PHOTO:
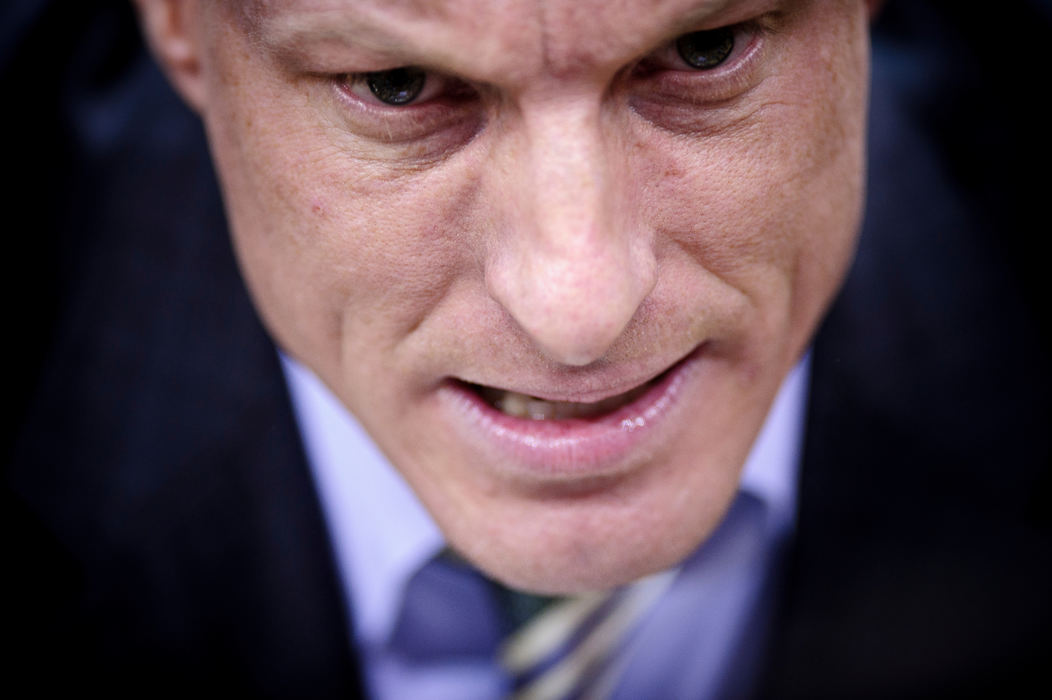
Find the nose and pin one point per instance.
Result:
(571, 265)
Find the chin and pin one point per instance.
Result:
(597, 536)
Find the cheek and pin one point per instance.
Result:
(330, 238)
(327, 238)
(770, 207)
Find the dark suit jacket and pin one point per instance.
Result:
(163, 533)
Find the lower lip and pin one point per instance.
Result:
(574, 448)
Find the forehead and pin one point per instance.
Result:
(561, 35)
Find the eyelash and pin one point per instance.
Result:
(437, 86)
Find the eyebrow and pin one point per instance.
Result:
(291, 34)
(297, 36)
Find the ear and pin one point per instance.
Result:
(171, 30)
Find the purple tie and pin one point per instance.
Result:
(449, 614)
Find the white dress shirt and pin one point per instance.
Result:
(381, 535)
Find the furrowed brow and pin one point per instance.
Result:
(323, 36)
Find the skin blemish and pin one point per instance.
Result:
(319, 209)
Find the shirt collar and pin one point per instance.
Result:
(771, 469)
(381, 533)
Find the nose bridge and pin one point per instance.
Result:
(569, 182)
(571, 269)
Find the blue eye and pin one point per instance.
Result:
(707, 49)
(398, 86)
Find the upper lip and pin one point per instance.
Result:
(586, 386)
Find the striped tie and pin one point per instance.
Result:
(565, 648)
(569, 649)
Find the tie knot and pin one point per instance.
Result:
(550, 647)
(520, 607)
(571, 647)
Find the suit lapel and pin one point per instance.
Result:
(171, 538)
(919, 568)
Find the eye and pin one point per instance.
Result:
(719, 51)
(403, 86)
(408, 104)
(706, 57)
(707, 49)
(397, 87)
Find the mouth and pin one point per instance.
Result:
(551, 437)
(517, 405)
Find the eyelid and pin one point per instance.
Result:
(668, 93)
(443, 115)
(746, 36)
(665, 89)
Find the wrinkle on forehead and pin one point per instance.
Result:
(560, 37)
(259, 12)
(433, 31)
(593, 33)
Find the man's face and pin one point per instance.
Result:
(597, 204)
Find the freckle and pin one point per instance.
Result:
(673, 172)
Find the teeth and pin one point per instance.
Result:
(523, 406)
